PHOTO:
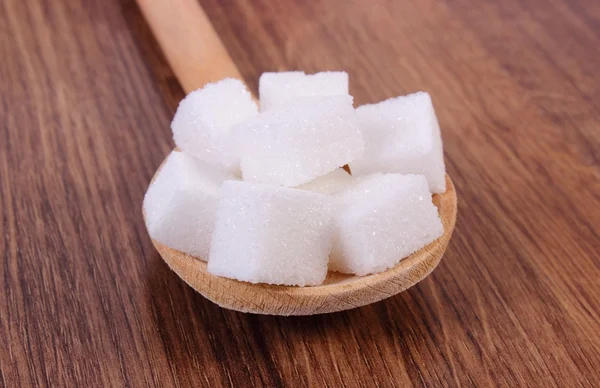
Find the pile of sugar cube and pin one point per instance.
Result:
(262, 197)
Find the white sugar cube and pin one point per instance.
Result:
(202, 123)
(381, 220)
(278, 88)
(299, 141)
(402, 135)
(181, 203)
(335, 181)
(268, 234)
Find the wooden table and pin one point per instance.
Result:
(85, 104)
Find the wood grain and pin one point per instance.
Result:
(86, 99)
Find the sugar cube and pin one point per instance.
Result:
(402, 135)
(269, 234)
(380, 220)
(331, 183)
(299, 141)
(202, 123)
(278, 88)
(181, 203)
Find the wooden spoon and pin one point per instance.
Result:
(197, 56)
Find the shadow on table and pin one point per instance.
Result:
(166, 81)
(195, 331)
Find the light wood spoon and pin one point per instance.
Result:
(197, 56)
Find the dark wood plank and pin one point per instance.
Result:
(86, 99)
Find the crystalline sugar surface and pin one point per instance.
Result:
(268, 234)
(381, 220)
(180, 204)
(331, 183)
(402, 135)
(202, 123)
(300, 141)
(278, 88)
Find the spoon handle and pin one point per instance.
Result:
(189, 42)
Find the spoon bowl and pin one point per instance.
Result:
(197, 57)
(338, 292)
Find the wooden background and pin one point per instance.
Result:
(85, 104)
